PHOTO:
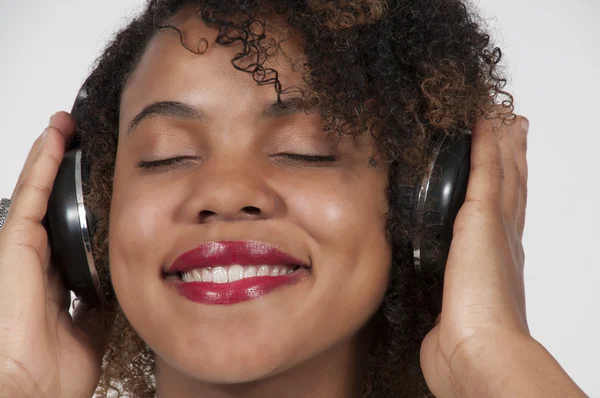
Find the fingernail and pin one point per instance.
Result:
(525, 124)
(44, 134)
(51, 118)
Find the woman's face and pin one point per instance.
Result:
(236, 184)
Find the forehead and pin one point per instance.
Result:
(167, 66)
(168, 71)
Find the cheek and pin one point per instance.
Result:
(346, 224)
(137, 238)
(344, 216)
(135, 222)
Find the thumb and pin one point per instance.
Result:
(435, 369)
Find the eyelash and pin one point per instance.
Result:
(160, 163)
(294, 156)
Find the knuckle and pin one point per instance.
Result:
(55, 161)
(516, 173)
(48, 156)
(524, 192)
(53, 130)
(38, 186)
(497, 169)
(476, 162)
(24, 236)
(523, 145)
(477, 212)
(523, 177)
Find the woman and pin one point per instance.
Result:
(190, 156)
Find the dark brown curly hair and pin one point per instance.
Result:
(411, 68)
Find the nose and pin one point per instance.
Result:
(233, 188)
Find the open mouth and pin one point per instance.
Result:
(231, 273)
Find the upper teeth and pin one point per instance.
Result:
(230, 273)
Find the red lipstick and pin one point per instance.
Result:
(223, 253)
(247, 252)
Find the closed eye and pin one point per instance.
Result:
(155, 164)
(310, 158)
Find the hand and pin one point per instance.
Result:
(483, 302)
(43, 352)
(481, 345)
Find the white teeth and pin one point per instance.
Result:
(235, 272)
(250, 271)
(206, 275)
(219, 275)
(197, 275)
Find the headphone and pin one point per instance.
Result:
(430, 207)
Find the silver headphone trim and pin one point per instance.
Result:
(85, 236)
(422, 197)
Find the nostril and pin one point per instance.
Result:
(205, 214)
(243, 213)
(251, 210)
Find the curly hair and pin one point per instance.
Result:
(412, 68)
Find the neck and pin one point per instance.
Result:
(337, 372)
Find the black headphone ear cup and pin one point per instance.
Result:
(70, 224)
(435, 201)
(69, 231)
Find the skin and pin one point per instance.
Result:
(480, 347)
(304, 337)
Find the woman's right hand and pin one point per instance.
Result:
(43, 351)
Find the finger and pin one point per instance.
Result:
(35, 147)
(65, 124)
(486, 177)
(30, 198)
(519, 135)
(513, 193)
(61, 120)
(512, 177)
(476, 270)
(431, 359)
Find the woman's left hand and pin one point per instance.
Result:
(481, 345)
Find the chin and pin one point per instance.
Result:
(228, 366)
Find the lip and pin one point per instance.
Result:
(223, 253)
(238, 291)
(247, 252)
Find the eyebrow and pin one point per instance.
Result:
(185, 111)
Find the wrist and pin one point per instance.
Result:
(511, 366)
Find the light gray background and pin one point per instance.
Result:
(552, 52)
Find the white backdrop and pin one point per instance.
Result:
(552, 53)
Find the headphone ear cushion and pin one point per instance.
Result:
(85, 177)
(405, 203)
